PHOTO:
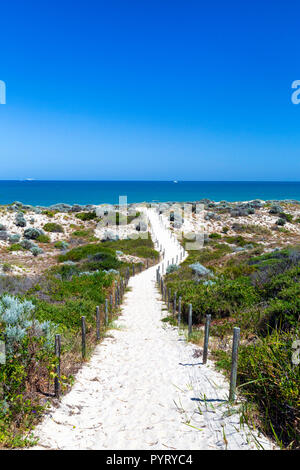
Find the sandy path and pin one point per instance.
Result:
(142, 388)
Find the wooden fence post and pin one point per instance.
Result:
(116, 296)
(190, 320)
(206, 337)
(83, 337)
(169, 298)
(106, 312)
(174, 304)
(57, 376)
(179, 311)
(97, 323)
(133, 270)
(234, 359)
(121, 289)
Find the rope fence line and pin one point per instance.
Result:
(177, 308)
(110, 308)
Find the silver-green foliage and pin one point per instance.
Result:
(18, 320)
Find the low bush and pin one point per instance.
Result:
(83, 252)
(269, 379)
(14, 238)
(62, 245)
(32, 233)
(28, 343)
(237, 240)
(82, 233)
(261, 295)
(215, 235)
(43, 238)
(53, 227)
(49, 213)
(85, 216)
(15, 247)
(286, 217)
(36, 250)
(172, 268)
(141, 247)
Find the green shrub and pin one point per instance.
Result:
(237, 240)
(139, 247)
(53, 227)
(208, 254)
(49, 213)
(81, 233)
(220, 299)
(85, 216)
(215, 235)
(67, 271)
(286, 217)
(270, 379)
(62, 245)
(36, 250)
(71, 296)
(29, 356)
(257, 229)
(6, 267)
(101, 261)
(142, 247)
(172, 268)
(43, 238)
(14, 238)
(32, 233)
(83, 252)
(15, 247)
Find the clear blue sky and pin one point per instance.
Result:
(147, 89)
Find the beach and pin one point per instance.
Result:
(144, 386)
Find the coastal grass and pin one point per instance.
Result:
(80, 281)
(259, 292)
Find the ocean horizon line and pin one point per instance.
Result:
(83, 192)
(31, 180)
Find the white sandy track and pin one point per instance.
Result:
(142, 388)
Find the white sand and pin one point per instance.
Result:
(143, 389)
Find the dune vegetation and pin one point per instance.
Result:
(258, 290)
(35, 307)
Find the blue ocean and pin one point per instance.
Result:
(45, 193)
